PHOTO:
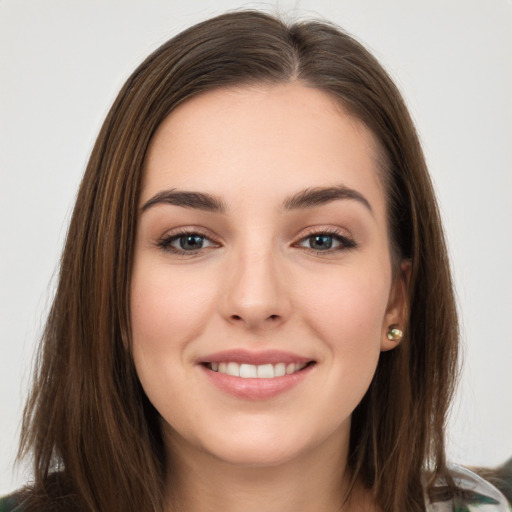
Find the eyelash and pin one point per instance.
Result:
(165, 242)
(345, 242)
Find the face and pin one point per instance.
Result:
(262, 286)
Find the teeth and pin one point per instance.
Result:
(233, 369)
(248, 371)
(279, 369)
(266, 371)
(251, 371)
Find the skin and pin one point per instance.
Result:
(258, 285)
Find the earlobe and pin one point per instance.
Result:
(397, 311)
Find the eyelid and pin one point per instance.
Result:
(164, 242)
(346, 241)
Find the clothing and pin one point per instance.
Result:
(8, 504)
(477, 495)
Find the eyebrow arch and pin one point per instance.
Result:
(312, 197)
(308, 198)
(197, 200)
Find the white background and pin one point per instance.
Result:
(62, 63)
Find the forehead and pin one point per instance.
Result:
(264, 140)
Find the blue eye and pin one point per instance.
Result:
(185, 243)
(321, 242)
(326, 242)
(190, 242)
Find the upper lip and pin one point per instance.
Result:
(243, 356)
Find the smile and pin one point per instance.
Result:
(248, 375)
(252, 371)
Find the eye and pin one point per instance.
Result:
(188, 242)
(326, 241)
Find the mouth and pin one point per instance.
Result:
(260, 376)
(260, 371)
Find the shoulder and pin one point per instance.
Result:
(53, 497)
(11, 503)
(474, 494)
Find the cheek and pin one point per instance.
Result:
(348, 318)
(166, 304)
(352, 303)
(168, 310)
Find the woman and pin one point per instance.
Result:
(248, 313)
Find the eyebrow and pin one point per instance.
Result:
(311, 197)
(196, 200)
(308, 198)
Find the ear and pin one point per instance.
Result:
(397, 310)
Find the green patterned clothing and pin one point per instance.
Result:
(476, 495)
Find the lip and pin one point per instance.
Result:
(254, 388)
(241, 356)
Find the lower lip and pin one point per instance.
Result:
(256, 389)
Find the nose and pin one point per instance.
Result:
(256, 295)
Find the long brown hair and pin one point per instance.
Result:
(93, 435)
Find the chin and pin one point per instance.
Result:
(257, 453)
(265, 443)
(245, 444)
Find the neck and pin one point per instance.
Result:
(315, 480)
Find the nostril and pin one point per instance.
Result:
(249, 319)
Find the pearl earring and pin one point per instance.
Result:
(394, 333)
